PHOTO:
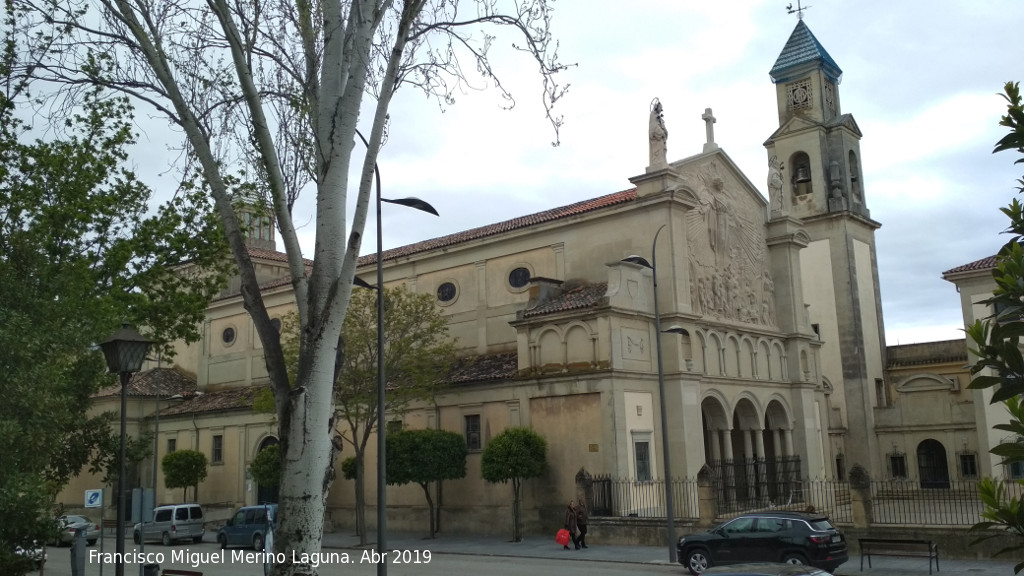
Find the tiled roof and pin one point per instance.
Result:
(987, 263)
(803, 48)
(521, 222)
(485, 368)
(232, 399)
(507, 226)
(156, 382)
(574, 298)
(926, 353)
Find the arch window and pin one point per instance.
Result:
(802, 176)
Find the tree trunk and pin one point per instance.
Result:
(430, 506)
(517, 535)
(308, 450)
(360, 500)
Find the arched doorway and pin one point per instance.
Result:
(266, 494)
(931, 464)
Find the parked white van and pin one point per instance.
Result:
(172, 523)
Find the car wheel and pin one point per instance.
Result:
(794, 558)
(165, 539)
(697, 561)
(137, 538)
(91, 542)
(223, 541)
(257, 542)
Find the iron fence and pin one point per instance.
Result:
(643, 498)
(757, 484)
(892, 502)
(911, 501)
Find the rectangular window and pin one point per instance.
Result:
(394, 426)
(172, 445)
(898, 465)
(473, 432)
(1017, 470)
(968, 466)
(840, 468)
(642, 455)
(217, 454)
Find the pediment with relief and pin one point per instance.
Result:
(725, 232)
(926, 383)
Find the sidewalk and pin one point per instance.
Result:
(536, 547)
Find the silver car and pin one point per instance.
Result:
(68, 525)
(172, 523)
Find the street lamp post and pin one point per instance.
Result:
(653, 265)
(124, 352)
(382, 515)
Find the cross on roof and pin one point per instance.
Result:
(709, 121)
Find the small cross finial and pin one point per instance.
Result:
(709, 121)
(799, 9)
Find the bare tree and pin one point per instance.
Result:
(267, 94)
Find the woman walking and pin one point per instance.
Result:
(570, 524)
(581, 522)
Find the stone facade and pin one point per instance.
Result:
(776, 347)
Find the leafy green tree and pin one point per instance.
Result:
(996, 343)
(515, 455)
(266, 466)
(182, 469)
(273, 92)
(418, 353)
(425, 456)
(81, 250)
(348, 468)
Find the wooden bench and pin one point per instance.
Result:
(895, 547)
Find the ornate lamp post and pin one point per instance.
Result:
(641, 261)
(382, 515)
(125, 352)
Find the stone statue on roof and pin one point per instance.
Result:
(658, 135)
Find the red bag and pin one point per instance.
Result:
(562, 537)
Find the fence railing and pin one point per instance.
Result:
(896, 501)
(756, 484)
(910, 501)
(643, 498)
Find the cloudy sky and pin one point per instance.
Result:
(921, 78)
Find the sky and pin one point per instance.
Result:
(921, 78)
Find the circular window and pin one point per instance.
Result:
(446, 292)
(276, 323)
(519, 277)
(228, 335)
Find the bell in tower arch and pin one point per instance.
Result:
(801, 164)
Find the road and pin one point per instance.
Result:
(209, 559)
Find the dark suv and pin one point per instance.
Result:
(790, 537)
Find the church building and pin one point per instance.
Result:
(765, 302)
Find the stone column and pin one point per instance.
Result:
(748, 462)
(760, 466)
(728, 463)
(716, 445)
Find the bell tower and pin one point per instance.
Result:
(815, 181)
(817, 145)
